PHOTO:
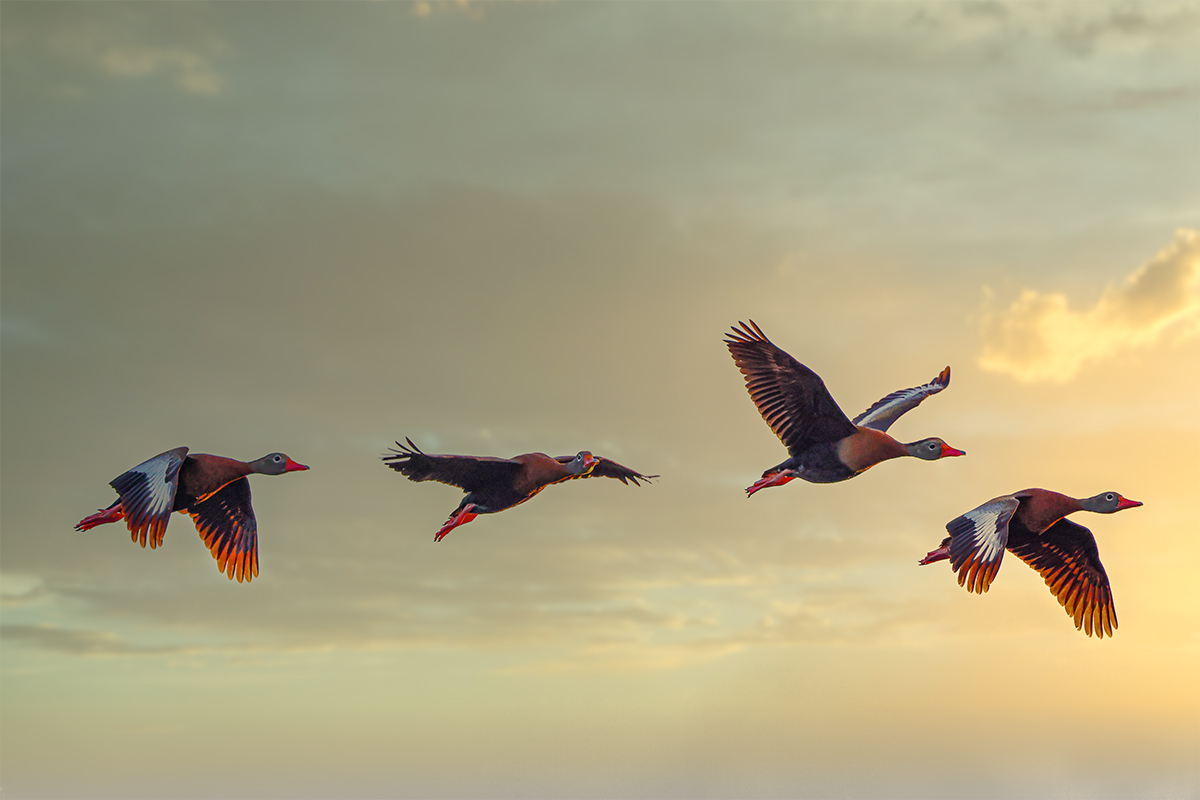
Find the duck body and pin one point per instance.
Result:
(536, 471)
(213, 490)
(1032, 524)
(825, 446)
(832, 462)
(818, 464)
(495, 484)
(201, 475)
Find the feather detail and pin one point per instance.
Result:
(887, 410)
(977, 542)
(226, 523)
(148, 495)
(1066, 557)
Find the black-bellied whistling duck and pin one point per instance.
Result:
(212, 489)
(825, 446)
(1033, 525)
(494, 484)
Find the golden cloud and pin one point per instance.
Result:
(1041, 338)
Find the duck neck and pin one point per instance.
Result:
(866, 447)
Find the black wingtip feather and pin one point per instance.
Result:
(401, 453)
(746, 334)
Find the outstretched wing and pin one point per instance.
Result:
(1067, 558)
(791, 397)
(884, 412)
(469, 473)
(607, 468)
(977, 541)
(225, 521)
(148, 495)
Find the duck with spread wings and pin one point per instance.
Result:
(824, 445)
(494, 484)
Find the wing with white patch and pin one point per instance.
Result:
(977, 541)
(884, 412)
(148, 495)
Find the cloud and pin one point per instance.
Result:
(1041, 338)
(19, 589)
(542, 585)
(82, 642)
(1127, 26)
(190, 71)
(1081, 30)
(425, 8)
(116, 43)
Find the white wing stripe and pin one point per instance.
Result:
(887, 410)
(978, 539)
(988, 541)
(148, 490)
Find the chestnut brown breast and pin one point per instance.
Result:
(866, 447)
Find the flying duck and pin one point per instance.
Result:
(825, 446)
(1032, 524)
(212, 489)
(494, 484)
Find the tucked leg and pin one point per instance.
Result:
(460, 517)
(941, 553)
(113, 513)
(771, 479)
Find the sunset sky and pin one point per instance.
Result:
(499, 228)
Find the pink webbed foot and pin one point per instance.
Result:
(774, 479)
(460, 517)
(936, 555)
(102, 517)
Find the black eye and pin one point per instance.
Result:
(1108, 496)
(277, 459)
